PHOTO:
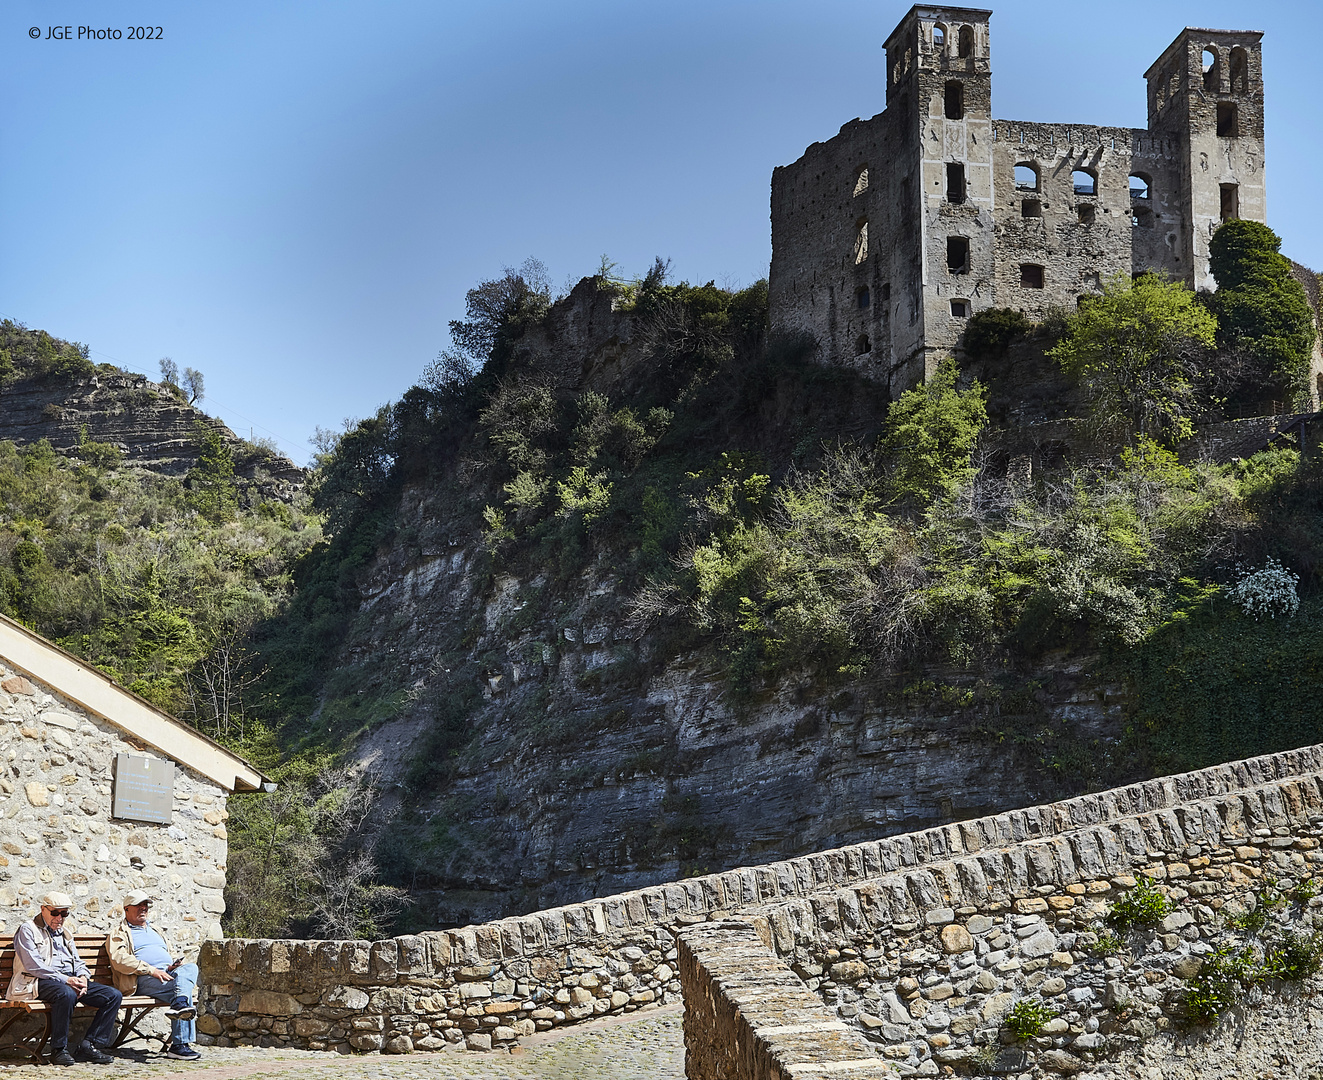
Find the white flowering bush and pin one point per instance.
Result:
(1269, 591)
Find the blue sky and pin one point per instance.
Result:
(293, 197)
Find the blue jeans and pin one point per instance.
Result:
(182, 985)
(61, 998)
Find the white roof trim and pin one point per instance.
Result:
(33, 655)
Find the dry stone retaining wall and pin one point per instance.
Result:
(1046, 870)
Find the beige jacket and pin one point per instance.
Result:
(22, 986)
(125, 965)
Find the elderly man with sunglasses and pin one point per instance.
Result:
(143, 964)
(47, 966)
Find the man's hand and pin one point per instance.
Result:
(78, 982)
(157, 973)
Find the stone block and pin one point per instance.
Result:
(400, 1044)
(956, 939)
(269, 1003)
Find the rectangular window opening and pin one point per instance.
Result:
(1031, 208)
(1226, 120)
(1230, 201)
(960, 309)
(1031, 276)
(955, 101)
(955, 182)
(957, 254)
(861, 297)
(1087, 213)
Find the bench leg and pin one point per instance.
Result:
(37, 1058)
(129, 1023)
(26, 1045)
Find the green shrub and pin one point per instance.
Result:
(1143, 905)
(1026, 1018)
(988, 334)
(930, 436)
(1262, 311)
(1139, 352)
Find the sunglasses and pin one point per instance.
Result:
(59, 913)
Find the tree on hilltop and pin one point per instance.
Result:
(1263, 316)
(1140, 352)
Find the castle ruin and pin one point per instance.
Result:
(887, 237)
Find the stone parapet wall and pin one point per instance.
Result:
(749, 1017)
(928, 964)
(485, 986)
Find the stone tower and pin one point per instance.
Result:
(1206, 93)
(939, 84)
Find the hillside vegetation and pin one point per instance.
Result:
(775, 520)
(735, 508)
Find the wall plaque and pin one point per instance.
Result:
(143, 790)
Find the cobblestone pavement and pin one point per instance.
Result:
(649, 1046)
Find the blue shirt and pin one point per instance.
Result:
(149, 946)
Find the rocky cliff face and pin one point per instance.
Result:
(543, 746)
(146, 421)
(594, 768)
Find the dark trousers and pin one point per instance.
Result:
(61, 998)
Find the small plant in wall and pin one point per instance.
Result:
(1143, 905)
(1026, 1018)
(1106, 942)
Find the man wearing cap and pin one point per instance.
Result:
(143, 965)
(47, 966)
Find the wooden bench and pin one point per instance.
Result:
(92, 950)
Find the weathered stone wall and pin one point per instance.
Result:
(57, 833)
(938, 119)
(747, 1016)
(484, 986)
(929, 963)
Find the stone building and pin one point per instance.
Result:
(887, 237)
(101, 793)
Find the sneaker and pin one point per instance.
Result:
(181, 1009)
(183, 1052)
(92, 1054)
(61, 1057)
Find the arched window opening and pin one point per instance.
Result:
(1139, 186)
(939, 38)
(1026, 178)
(861, 241)
(960, 309)
(1210, 69)
(861, 181)
(966, 42)
(861, 297)
(1031, 276)
(1239, 71)
(1084, 182)
(957, 254)
(1031, 208)
(1227, 120)
(862, 345)
(955, 182)
(954, 101)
